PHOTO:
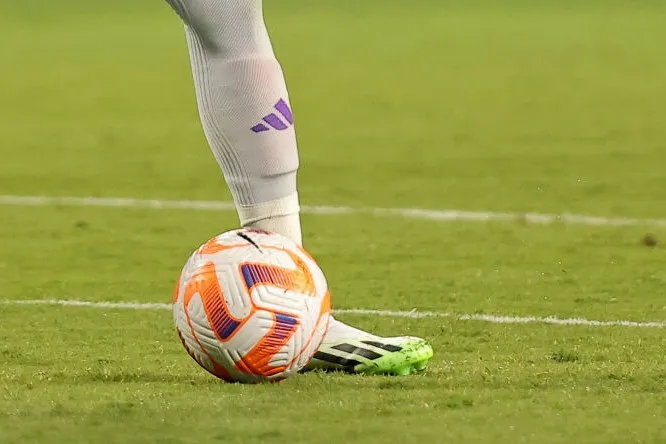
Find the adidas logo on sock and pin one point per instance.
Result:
(274, 121)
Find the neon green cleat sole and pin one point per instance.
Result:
(376, 356)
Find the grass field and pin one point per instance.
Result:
(522, 106)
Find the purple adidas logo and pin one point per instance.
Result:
(274, 121)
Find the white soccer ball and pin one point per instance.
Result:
(251, 306)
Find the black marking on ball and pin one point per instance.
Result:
(249, 239)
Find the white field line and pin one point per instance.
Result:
(410, 213)
(495, 319)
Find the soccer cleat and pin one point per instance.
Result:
(373, 356)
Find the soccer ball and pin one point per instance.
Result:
(251, 306)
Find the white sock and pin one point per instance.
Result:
(245, 110)
(279, 216)
(246, 115)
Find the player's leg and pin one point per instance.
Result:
(247, 118)
(245, 110)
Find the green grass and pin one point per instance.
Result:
(533, 106)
